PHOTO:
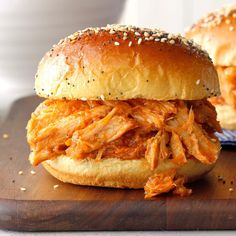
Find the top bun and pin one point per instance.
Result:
(125, 62)
(216, 33)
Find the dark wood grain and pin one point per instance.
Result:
(69, 207)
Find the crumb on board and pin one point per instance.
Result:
(231, 189)
(22, 189)
(220, 178)
(55, 186)
(5, 136)
(32, 172)
(20, 172)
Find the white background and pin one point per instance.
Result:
(170, 15)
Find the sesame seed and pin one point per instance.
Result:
(125, 34)
(172, 41)
(124, 38)
(198, 82)
(32, 172)
(139, 40)
(23, 189)
(5, 136)
(20, 172)
(231, 189)
(102, 97)
(130, 43)
(146, 34)
(170, 36)
(83, 99)
(56, 186)
(151, 38)
(137, 33)
(231, 28)
(220, 177)
(111, 31)
(227, 21)
(163, 40)
(117, 43)
(157, 39)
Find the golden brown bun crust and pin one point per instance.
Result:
(100, 63)
(227, 116)
(117, 173)
(216, 33)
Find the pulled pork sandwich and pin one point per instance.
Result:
(217, 34)
(125, 107)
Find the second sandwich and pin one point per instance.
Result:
(216, 33)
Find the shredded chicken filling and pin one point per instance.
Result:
(227, 78)
(131, 129)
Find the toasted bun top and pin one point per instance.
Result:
(125, 62)
(216, 33)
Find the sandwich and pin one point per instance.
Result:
(216, 33)
(125, 107)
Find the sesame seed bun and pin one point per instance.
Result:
(216, 33)
(113, 172)
(124, 62)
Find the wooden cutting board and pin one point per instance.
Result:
(68, 207)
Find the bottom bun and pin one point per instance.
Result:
(227, 116)
(116, 173)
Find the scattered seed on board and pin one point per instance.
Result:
(55, 186)
(5, 136)
(198, 82)
(32, 172)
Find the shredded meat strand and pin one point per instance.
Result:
(177, 150)
(180, 189)
(165, 182)
(160, 183)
